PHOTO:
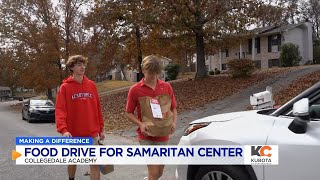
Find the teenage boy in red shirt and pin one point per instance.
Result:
(150, 86)
(78, 109)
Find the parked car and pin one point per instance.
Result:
(38, 110)
(294, 127)
(5, 93)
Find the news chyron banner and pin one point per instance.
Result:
(62, 151)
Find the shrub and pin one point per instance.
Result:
(241, 67)
(211, 72)
(289, 55)
(316, 52)
(172, 71)
(216, 71)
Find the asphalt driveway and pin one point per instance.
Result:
(11, 125)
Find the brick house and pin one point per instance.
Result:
(264, 46)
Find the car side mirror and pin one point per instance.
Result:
(301, 112)
(301, 108)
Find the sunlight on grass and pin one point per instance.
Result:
(186, 75)
(111, 84)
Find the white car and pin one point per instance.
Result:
(294, 127)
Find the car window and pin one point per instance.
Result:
(314, 109)
(316, 101)
(41, 103)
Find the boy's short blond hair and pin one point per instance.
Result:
(76, 59)
(152, 64)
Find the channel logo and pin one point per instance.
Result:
(261, 151)
(262, 154)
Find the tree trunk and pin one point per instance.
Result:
(186, 62)
(67, 27)
(138, 36)
(49, 94)
(123, 72)
(317, 26)
(201, 66)
(60, 72)
(67, 53)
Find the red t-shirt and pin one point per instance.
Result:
(141, 90)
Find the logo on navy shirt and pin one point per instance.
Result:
(81, 96)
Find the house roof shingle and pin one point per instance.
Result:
(276, 29)
(3, 88)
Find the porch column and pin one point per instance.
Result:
(220, 60)
(210, 66)
(240, 55)
(253, 49)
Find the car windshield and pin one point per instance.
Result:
(41, 103)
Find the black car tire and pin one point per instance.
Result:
(30, 121)
(233, 172)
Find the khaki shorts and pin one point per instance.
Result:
(147, 142)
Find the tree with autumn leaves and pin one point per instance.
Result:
(208, 22)
(29, 33)
(125, 27)
(37, 36)
(149, 23)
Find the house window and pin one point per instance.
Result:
(226, 52)
(274, 40)
(257, 64)
(274, 43)
(257, 45)
(250, 46)
(224, 66)
(273, 62)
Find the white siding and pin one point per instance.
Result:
(300, 35)
(296, 37)
(309, 42)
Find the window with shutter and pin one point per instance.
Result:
(274, 42)
(279, 41)
(224, 66)
(250, 46)
(257, 45)
(270, 63)
(273, 62)
(269, 43)
(258, 64)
